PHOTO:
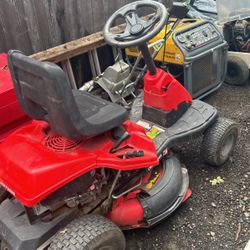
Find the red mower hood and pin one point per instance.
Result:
(11, 114)
(35, 163)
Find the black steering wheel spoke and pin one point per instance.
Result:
(149, 24)
(131, 18)
(124, 35)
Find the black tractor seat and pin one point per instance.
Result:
(44, 94)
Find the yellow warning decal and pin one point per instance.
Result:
(153, 181)
(154, 132)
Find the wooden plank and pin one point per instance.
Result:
(41, 13)
(54, 28)
(11, 29)
(35, 25)
(86, 25)
(71, 49)
(32, 25)
(3, 45)
(23, 33)
(76, 47)
(70, 18)
(98, 13)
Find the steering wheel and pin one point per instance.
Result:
(137, 30)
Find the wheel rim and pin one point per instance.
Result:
(232, 71)
(227, 145)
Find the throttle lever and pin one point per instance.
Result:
(116, 144)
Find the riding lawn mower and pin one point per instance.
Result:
(86, 168)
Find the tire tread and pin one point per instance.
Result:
(82, 231)
(212, 138)
(244, 71)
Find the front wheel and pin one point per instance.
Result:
(219, 141)
(89, 232)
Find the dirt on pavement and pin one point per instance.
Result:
(215, 217)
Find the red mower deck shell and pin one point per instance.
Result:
(127, 211)
(10, 112)
(34, 162)
(163, 91)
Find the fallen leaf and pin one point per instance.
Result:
(216, 181)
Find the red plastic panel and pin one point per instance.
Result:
(163, 91)
(11, 127)
(32, 165)
(9, 107)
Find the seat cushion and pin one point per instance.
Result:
(101, 115)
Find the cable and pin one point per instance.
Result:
(165, 45)
(167, 34)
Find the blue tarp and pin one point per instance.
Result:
(204, 9)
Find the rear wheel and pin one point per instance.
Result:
(3, 195)
(90, 232)
(237, 71)
(219, 141)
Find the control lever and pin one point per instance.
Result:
(133, 154)
(119, 141)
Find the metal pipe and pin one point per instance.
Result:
(96, 61)
(148, 58)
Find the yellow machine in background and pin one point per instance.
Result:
(173, 54)
(195, 53)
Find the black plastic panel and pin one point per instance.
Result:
(195, 121)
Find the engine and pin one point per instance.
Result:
(86, 191)
(237, 34)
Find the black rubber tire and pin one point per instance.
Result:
(237, 71)
(89, 232)
(219, 141)
(4, 194)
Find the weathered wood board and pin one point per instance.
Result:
(36, 25)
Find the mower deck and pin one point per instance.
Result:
(195, 120)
